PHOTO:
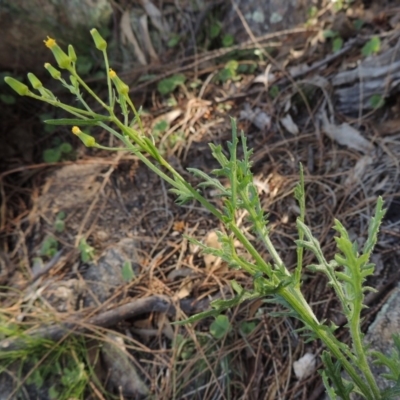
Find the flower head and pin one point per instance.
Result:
(63, 60)
(35, 82)
(88, 141)
(112, 73)
(55, 73)
(122, 88)
(49, 42)
(99, 42)
(17, 86)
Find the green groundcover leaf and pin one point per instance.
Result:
(220, 327)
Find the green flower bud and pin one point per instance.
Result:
(55, 73)
(17, 86)
(63, 60)
(35, 82)
(88, 141)
(71, 53)
(99, 42)
(122, 88)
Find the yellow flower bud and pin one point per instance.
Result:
(122, 88)
(35, 82)
(99, 42)
(49, 42)
(112, 73)
(88, 141)
(55, 73)
(63, 60)
(17, 86)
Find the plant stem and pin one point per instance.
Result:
(359, 349)
(297, 302)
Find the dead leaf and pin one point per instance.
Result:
(304, 366)
(381, 184)
(168, 117)
(257, 117)
(185, 289)
(288, 123)
(358, 171)
(164, 325)
(389, 127)
(267, 78)
(210, 260)
(179, 226)
(346, 135)
(180, 272)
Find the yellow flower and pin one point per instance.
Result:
(122, 88)
(88, 141)
(63, 60)
(49, 42)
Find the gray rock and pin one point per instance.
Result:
(105, 276)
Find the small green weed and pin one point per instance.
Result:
(58, 153)
(174, 40)
(127, 271)
(168, 85)
(228, 72)
(59, 223)
(247, 327)
(220, 327)
(49, 247)
(271, 280)
(159, 128)
(373, 46)
(61, 364)
(87, 251)
(377, 101)
(337, 41)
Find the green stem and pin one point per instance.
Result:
(180, 181)
(359, 349)
(262, 232)
(302, 205)
(83, 114)
(249, 247)
(90, 91)
(110, 99)
(297, 302)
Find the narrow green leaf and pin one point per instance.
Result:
(197, 317)
(77, 121)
